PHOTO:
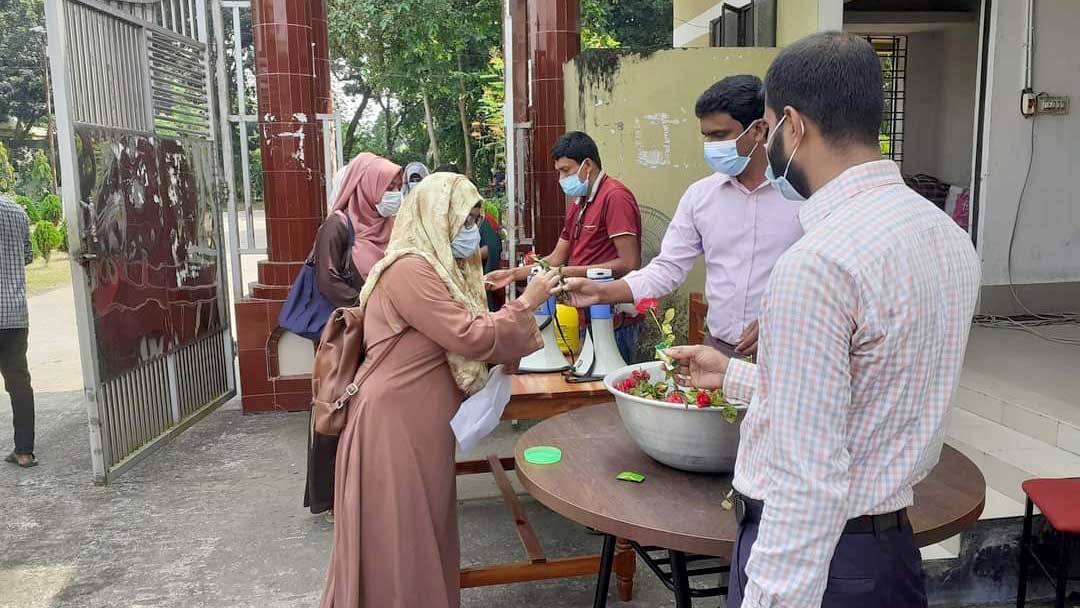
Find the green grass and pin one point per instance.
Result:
(42, 277)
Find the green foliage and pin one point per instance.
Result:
(51, 209)
(30, 207)
(46, 238)
(634, 24)
(7, 172)
(37, 181)
(63, 236)
(22, 79)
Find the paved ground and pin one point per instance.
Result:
(214, 519)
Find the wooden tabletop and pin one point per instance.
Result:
(678, 510)
(536, 396)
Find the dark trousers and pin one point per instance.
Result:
(322, 457)
(870, 570)
(13, 367)
(724, 347)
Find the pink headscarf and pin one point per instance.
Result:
(367, 178)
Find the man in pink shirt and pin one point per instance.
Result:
(733, 217)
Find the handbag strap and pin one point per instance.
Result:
(354, 386)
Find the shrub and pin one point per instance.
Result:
(63, 237)
(46, 238)
(51, 210)
(30, 207)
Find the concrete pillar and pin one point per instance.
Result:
(290, 54)
(554, 39)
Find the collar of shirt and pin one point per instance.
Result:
(842, 188)
(734, 181)
(596, 187)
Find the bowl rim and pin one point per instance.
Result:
(619, 374)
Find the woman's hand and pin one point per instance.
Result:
(499, 279)
(539, 289)
(699, 366)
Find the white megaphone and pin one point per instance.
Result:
(600, 354)
(549, 358)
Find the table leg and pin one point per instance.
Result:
(603, 579)
(680, 579)
(625, 568)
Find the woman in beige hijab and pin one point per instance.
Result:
(396, 534)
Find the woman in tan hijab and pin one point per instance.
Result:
(396, 534)
(367, 195)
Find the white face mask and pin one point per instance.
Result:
(390, 203)
(466, 243)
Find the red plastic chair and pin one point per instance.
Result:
(1059, 501)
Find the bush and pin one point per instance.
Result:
(63, 237)
(30, 207)
(46, 238)
(51, 210)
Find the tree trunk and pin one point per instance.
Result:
(350, 132)
(388, 118)
(433, 141)
(465, 131)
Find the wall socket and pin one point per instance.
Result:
(1050, 104)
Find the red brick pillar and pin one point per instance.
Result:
(554, 39)
(290, 51)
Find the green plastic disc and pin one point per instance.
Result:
(543, 454)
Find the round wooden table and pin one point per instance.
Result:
(681, 512)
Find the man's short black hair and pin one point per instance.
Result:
(835, 79)
(576, 146)
(739, 96)
(447, 168)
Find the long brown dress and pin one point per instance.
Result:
(396, 534)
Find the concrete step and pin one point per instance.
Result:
(1051, 422)
(1006, 456)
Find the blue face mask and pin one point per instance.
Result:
(466, 243)
(724, 157)
(781, 183)
(574, 186)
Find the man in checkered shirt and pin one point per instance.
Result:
(864, 324)
(15, 253)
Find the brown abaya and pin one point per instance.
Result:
(396, 534)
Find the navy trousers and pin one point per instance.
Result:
(874, 570)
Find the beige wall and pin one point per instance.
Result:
(640, 110)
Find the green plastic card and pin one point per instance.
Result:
(630, 476)
(543, 454)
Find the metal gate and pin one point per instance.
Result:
(142, 194)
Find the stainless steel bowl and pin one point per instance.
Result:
(686, 438)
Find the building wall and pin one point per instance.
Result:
(640, 110)
(794, 19)
(939, 117)
(1047, 248)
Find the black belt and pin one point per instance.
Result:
(748, 511)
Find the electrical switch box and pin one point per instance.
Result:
(1051, 104)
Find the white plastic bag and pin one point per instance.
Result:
(480, 414)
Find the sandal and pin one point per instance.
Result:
(13, 458)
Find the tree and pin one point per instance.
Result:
(47, 238)
(22, 65)
(422, 61)
(636, 24)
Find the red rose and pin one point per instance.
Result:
(645, 375)
(675, 397)
(703, 399)
(647, 304)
